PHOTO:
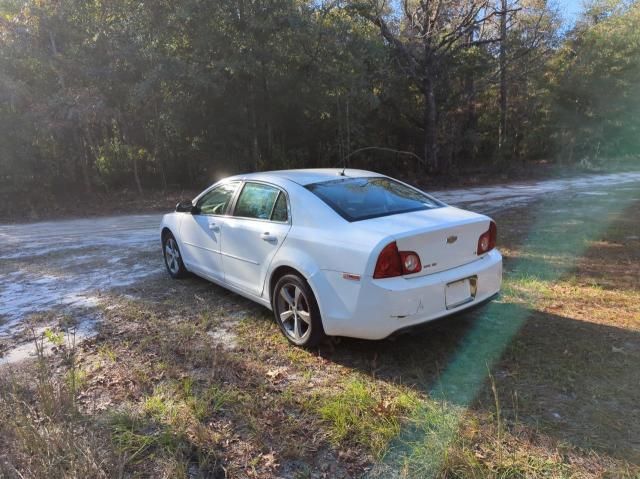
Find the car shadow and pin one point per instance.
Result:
(575, 380)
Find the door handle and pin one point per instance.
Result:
(266, 236)
(214, 227)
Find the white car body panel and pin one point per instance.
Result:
(377, 308)
(200, 245)
(426, 233)
(248, 247)
(322, 246)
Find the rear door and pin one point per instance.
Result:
(253, 234)
(201, 232)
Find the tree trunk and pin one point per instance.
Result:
(136, 176)
(190, 173)
(348, 126)
(253, 127)
(85, 168)
(341, 154)
(126, 136)
(502, 129)
(430, 119)
(267, 114)
(82, 163)
(156, 148)
(471, 120)
(163, 175)
(54, 54)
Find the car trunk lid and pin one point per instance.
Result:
(443, 238)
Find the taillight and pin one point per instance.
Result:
(410, 262)
(487, 240)
(388, 264)
(392, 262)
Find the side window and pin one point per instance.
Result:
(216, 201)
(280, 209)
(256, 201)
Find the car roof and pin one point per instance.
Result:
(306, 176)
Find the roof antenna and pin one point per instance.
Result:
(344, 165)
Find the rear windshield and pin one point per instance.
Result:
(358, 199)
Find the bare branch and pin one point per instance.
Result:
(400, 47)
(482, 42)
(390, 150)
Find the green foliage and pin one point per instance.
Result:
(596, 84)
(57, 339)
(166, 94)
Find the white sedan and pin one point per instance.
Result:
(335, 252)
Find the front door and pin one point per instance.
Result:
(253, 235)
(201, 232)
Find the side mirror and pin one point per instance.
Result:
(186, 206)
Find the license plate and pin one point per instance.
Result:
(459, 293)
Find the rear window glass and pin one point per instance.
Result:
(358, 199)
(280, 209)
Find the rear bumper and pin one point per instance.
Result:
(375, 309)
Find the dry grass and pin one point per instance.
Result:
(188, 380)
(42, 431)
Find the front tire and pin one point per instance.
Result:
(173, 257)
(296, 311)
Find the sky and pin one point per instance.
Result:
(569, 9)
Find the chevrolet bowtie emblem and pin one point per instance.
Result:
(452, 239)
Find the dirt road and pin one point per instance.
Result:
(68, 266)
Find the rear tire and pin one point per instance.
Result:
(173, 257)
(296, 311)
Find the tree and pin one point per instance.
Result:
(502, 130)
(425, 37)
(595, 79)
(529, 33)
(126, 94)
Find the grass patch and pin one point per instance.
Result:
(362, 414)
(42, 431)
(177, 404)
(136, 438)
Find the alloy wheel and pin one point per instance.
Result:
(294, 312)
(172, 256)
